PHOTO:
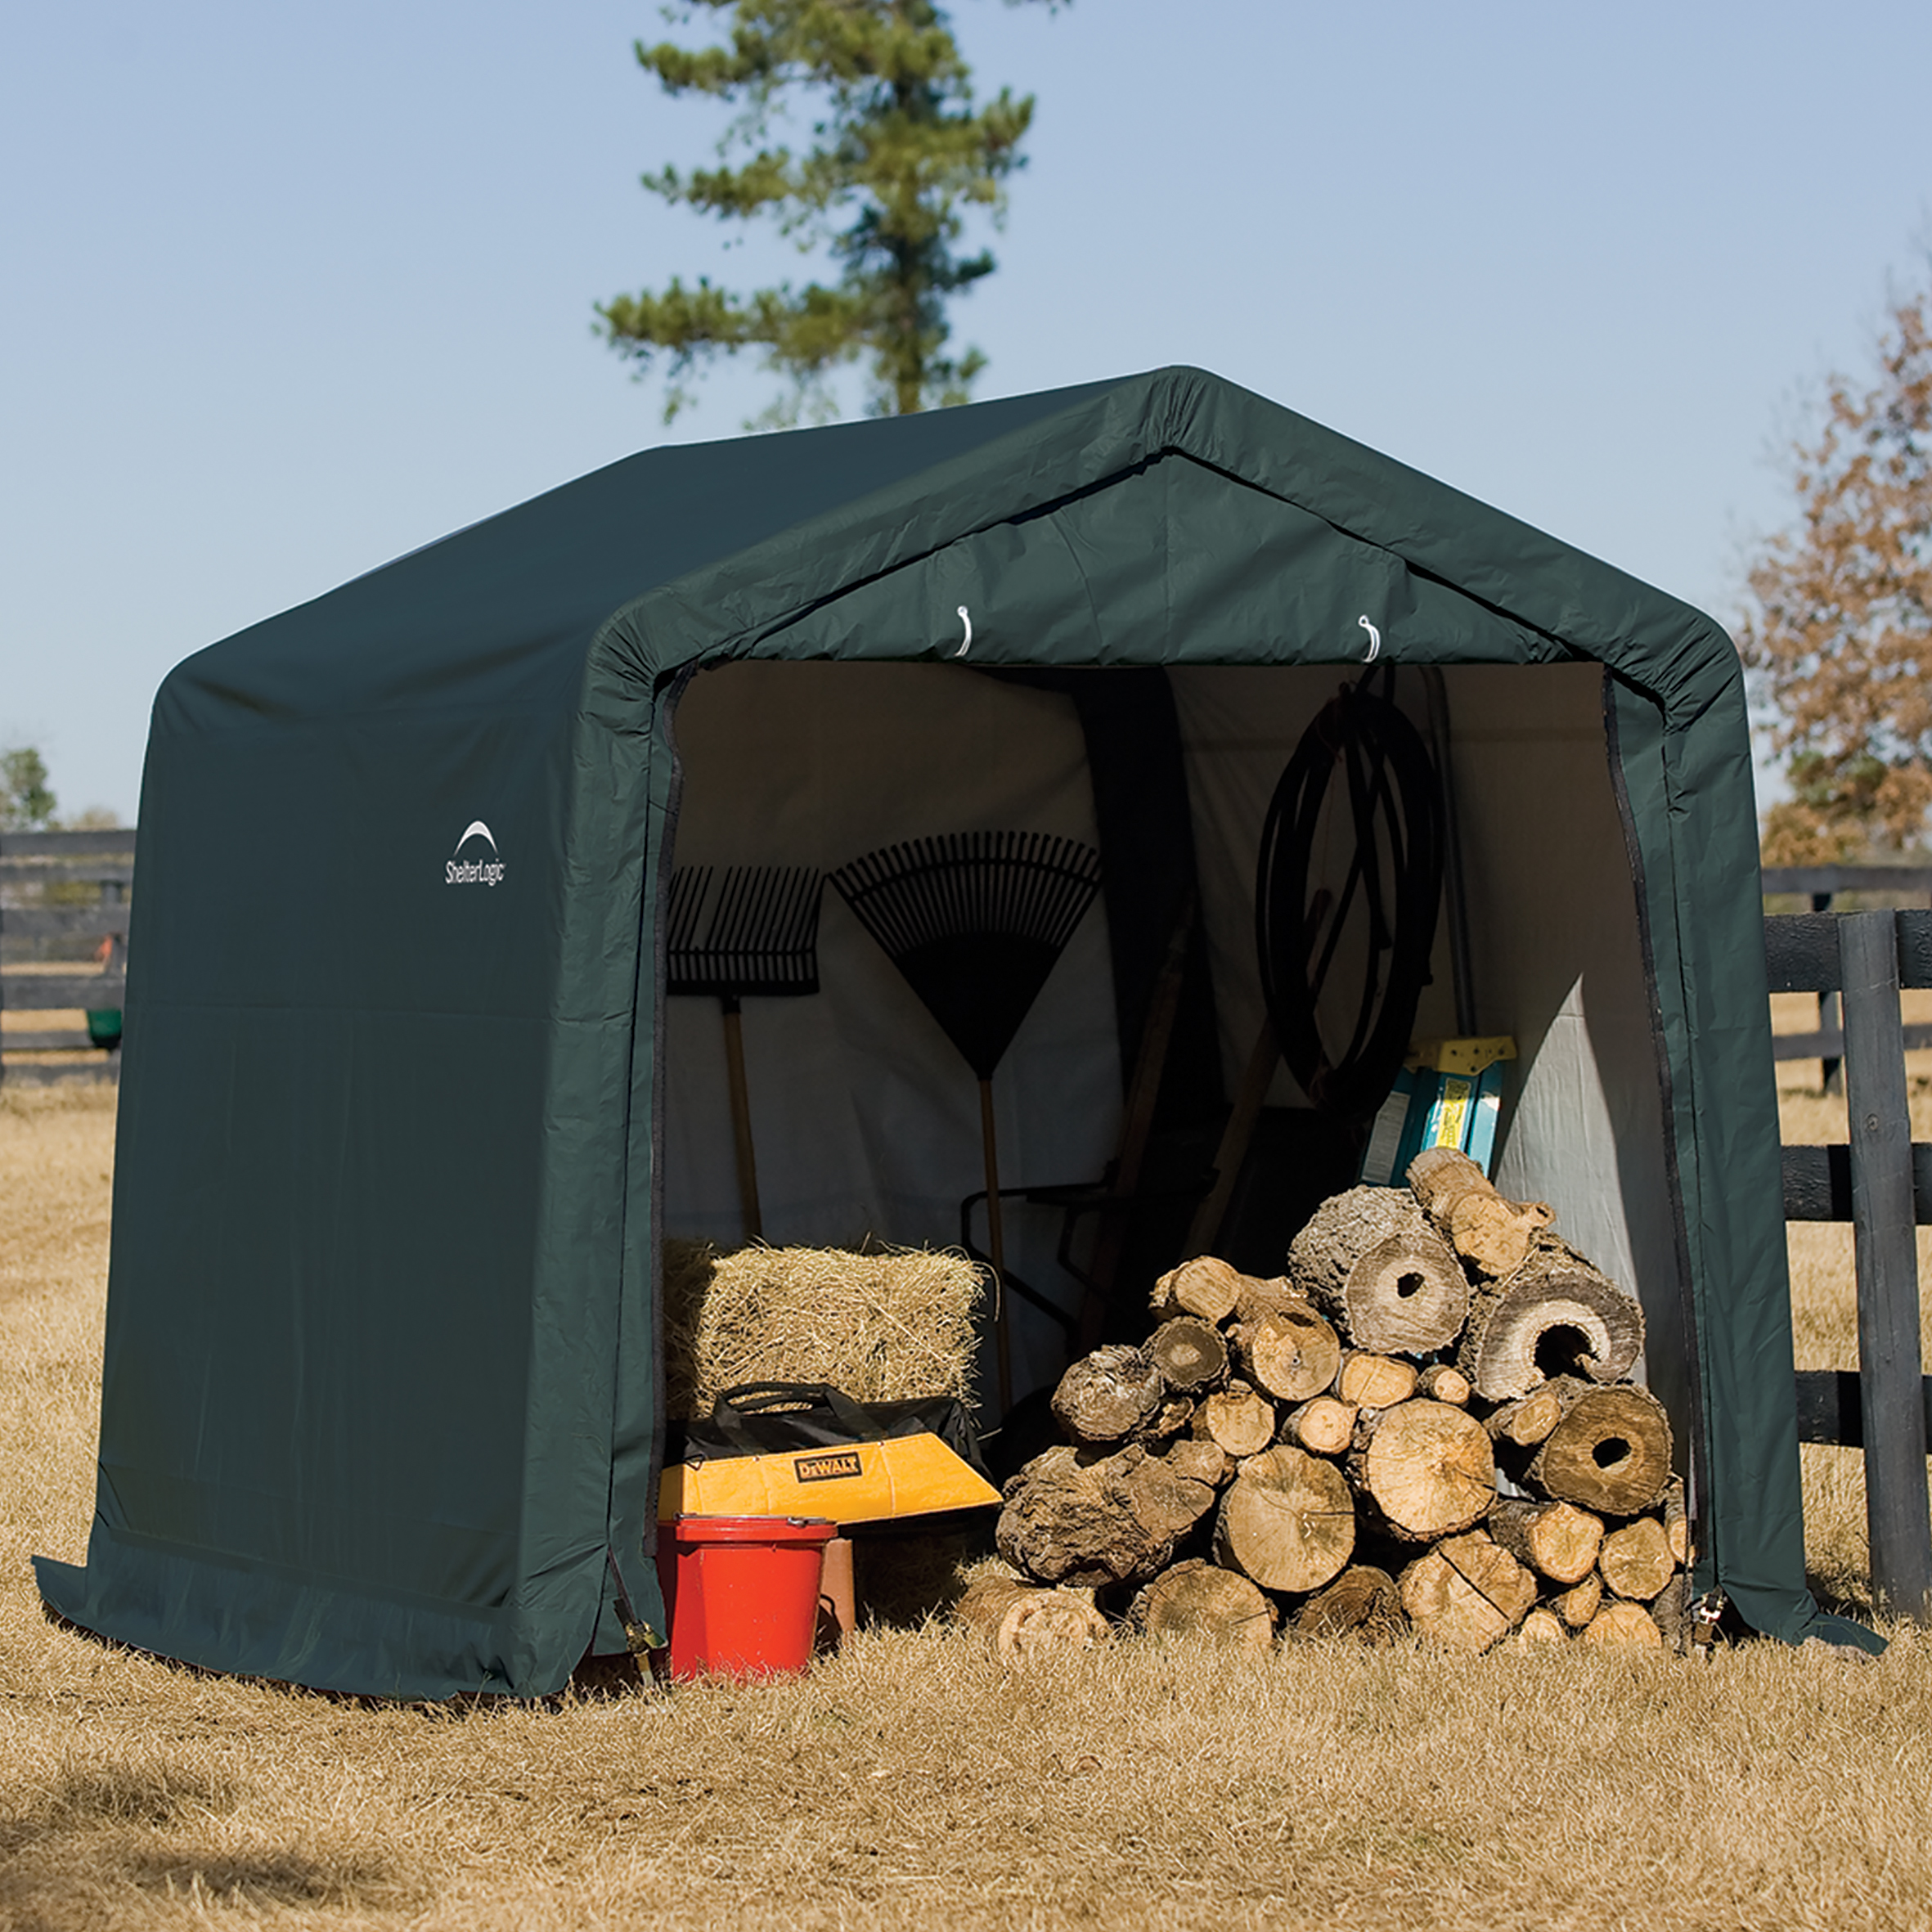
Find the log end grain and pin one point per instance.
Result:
(1636, 1560)
(1542, 1626)
(1199, 1599)
(1370, 1260)
(1259, 1296)
(1555, 1315)
(1047, 1623)
(1323, 1426)
(1291, 1351)
(1107, 1396)
(1363, 1602)
(1427, 1468)
(1611, 1454)
(1079, 1519)
(1446, 1608)
(1556, 1539)
(1206, 1286)
(1441, 1383)
(1287, 1521)
(1625, 1626)
(1190, 1354)
(1369, 1381)
(1238, 1418)
(1492, 1233)
(1579, 1603)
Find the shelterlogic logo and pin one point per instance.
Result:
(475, 870)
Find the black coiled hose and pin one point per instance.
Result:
(1394, 803)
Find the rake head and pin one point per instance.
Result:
(748, 931)
(975, 922)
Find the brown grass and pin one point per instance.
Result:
(908, 1783)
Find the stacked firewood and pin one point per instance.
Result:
(1428, 1422)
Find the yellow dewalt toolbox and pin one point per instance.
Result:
(805, 1449)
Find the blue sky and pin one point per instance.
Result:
(289, 291)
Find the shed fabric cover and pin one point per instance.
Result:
(381, 1391)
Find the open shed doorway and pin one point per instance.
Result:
(866, 1119)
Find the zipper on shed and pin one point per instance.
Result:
(1697, 1493)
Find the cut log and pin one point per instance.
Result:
(1558, 1540)
(1426, 1469)
(1671, 1612)
(1047, 1623)
(1204, 1287)
(1447, 1608)
(1104, 1397)
(1324, 1427)
(1020, 1620)
(1200, 1599)
(1287, 1521)
(1370, 1260)
(1542, 1626)
(1258, 1297)
(1196, 1460)
(1441, 1383)
(1625, 1626)
(1189, 1354)
(1073, 1517)
(1577, 1605)
(1483, 1563)
(1526, 1421)
(1241, 1420)
(1492, 1232)
(1636, 1560)
(1290, 1351)
(1167, 1421)
(1363, 1602)
(985, 1600)
(1677, 1524)
(1374, 1382)
(1610, 1453)
(1555, 1315)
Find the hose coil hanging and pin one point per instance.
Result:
(1394, 803)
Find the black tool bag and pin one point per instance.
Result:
(805, 1449)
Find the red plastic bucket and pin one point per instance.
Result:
(742, 1592)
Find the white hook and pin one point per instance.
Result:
(1374, 640)
(966, 616)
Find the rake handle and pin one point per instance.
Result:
(741, 1116)
(996, 1245)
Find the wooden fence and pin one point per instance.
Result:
(1822, 885)
(1882, 1183)
(93, 871)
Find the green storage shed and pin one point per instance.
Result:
(406, 1114)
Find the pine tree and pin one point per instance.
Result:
(899, 158)
(1841, 633)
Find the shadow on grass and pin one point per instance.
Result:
(120, 1830)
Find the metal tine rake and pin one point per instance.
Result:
(975, 922)
(749, 932)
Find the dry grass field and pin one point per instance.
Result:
(909, 1783)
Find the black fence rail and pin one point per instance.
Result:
(68, 891)
(1882, 1183)
(1824, 886)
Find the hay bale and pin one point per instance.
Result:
(883, 1325)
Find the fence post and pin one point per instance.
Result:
(1830, 1072)
(1896, 1502)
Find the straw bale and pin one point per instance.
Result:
(882, 1324)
